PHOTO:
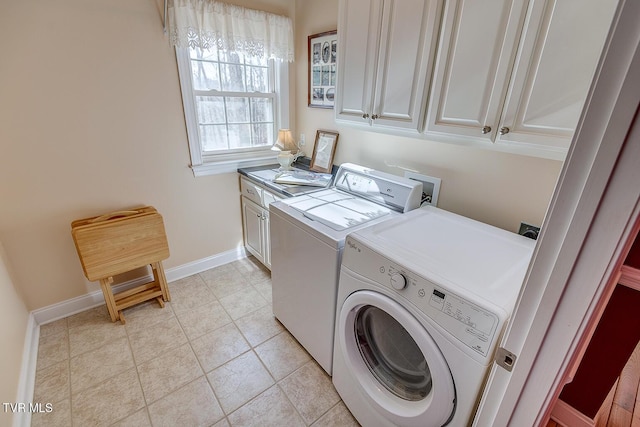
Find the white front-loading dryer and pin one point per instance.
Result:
(413, 343)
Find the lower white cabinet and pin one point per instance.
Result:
(255, 202)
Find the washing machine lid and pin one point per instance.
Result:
(336, 209)
(474, 259)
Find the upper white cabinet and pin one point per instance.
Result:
(516, 73)
(561, 45)
(385, 55)
(475, 57)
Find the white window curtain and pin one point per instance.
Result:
(206, 23)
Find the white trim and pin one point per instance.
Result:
(567, 415)
(84, 302)
(203, 264)
(229, 166)
(27, 377)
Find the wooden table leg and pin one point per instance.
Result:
(105, 284)
(159, 276)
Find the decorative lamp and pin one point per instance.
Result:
(285, 144)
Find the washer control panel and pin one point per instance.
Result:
(475, 326)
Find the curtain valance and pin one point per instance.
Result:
(207, 23)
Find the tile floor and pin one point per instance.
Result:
(214, 356)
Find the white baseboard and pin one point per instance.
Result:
(27, 377)
(84, 302)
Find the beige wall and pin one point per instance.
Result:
(496, 188)
(92, 121)
(13, 320)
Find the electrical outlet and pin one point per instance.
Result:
(528, 230)
(430, 187)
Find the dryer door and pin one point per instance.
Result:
(397, 364)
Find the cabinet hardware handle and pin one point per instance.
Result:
(486, 129)
(365, 116)
(250, 191)
(259, 215)
(375, 116)
(504, 131)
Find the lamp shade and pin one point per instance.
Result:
(285, 141)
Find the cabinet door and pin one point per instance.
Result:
(475, 57)
(268, 198)
(253, 223)
(407, 47)
(358, 37)
(559, 52)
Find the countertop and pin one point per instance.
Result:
(260, 175)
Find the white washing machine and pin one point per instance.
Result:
(307, 237)
(422, 302)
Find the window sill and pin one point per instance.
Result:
(232, 165)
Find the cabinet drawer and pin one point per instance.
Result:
(251, 191)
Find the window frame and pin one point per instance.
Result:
(211, 164)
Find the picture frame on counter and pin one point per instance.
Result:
(322, 50)
(323, 151)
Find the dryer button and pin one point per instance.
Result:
(398, 281)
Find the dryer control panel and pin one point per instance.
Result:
(472, 323)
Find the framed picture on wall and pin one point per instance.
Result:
(323, 50)
(323, 151)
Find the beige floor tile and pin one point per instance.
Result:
(271, 408)
(95, 366)
(222, 423)
(223, 286)
(52, 383)
(85, 361)
(203, 319)
(219, 346)
(226, 271)
(60, 416)
(53, 348)
(259, 326)
(311, 391)
(265, 289)
(192, 405)
(109, 401)
(147, 313)
(282, 355)
(94, 335)
(137, 419)
(189, 293)
(96, 315)
(240, 380)
(338, 416)
(168, 372)
(243, 302)
(156, 339)
(53, 327)
(252, 269)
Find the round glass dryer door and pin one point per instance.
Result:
(395, 361)
(391, 355)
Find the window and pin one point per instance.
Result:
(233, 107)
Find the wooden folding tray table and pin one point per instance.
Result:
(122, 241)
